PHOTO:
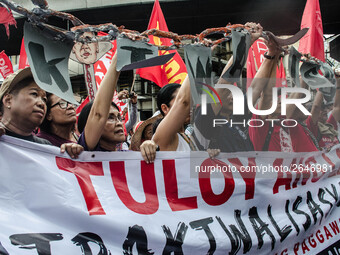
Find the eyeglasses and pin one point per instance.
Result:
(113, 118)
(62, 104)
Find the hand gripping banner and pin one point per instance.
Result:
(115, 203)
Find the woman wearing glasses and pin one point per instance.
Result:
(100, 122)
(23, 108)
(59, 123)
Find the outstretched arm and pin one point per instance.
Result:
(166, 133)
(255, 33)
(265, 78)
(101, 106)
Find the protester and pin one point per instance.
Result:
(323, 127)
(144, 132)
(59, 123)
(226, 137)
(273, 135)
(23, 105)
(169, 135)
(100, 122)
(173, 101)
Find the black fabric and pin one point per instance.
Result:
(311, 135)
(225, 137)
(268, 138)
(30, 138)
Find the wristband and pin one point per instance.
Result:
(267, 56)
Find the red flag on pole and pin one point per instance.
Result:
(6, 67)
(23, 61)
(173, 71)
(312, 42)
(255, 59)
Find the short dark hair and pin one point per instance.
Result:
(84, 115)
(165, 95)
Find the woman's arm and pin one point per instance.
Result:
(166, 134)
(101, 106)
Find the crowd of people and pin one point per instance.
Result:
(28, 112)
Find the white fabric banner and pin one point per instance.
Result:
(114, 203)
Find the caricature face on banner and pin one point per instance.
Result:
(89, 52)
(86, 53)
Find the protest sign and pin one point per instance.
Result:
(115, 203)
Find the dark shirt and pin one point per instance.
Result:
(82, 142)
(30, 138)
(226, 137)
(54, 139)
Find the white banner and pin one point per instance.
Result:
(114, 203)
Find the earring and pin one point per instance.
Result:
(8, 107)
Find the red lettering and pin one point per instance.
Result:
(82, 171)
(205, 184)
(281, 179)
(313, 168)
(328, 160)
(296, 248)
(334, 227)
(284, 252)
(328, 234)
(89, 82)
(312, 242)
(304, 247)
(319, 236)
(100, 71)
(118, 176)
(300, 171)
(171, 189)
(109, 55)
(247, 176)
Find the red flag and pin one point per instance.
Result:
(23, 61)
(255, 59)
(81, 106)
(6, 67)
(6, 18)
(173, 71)
(312, 42)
